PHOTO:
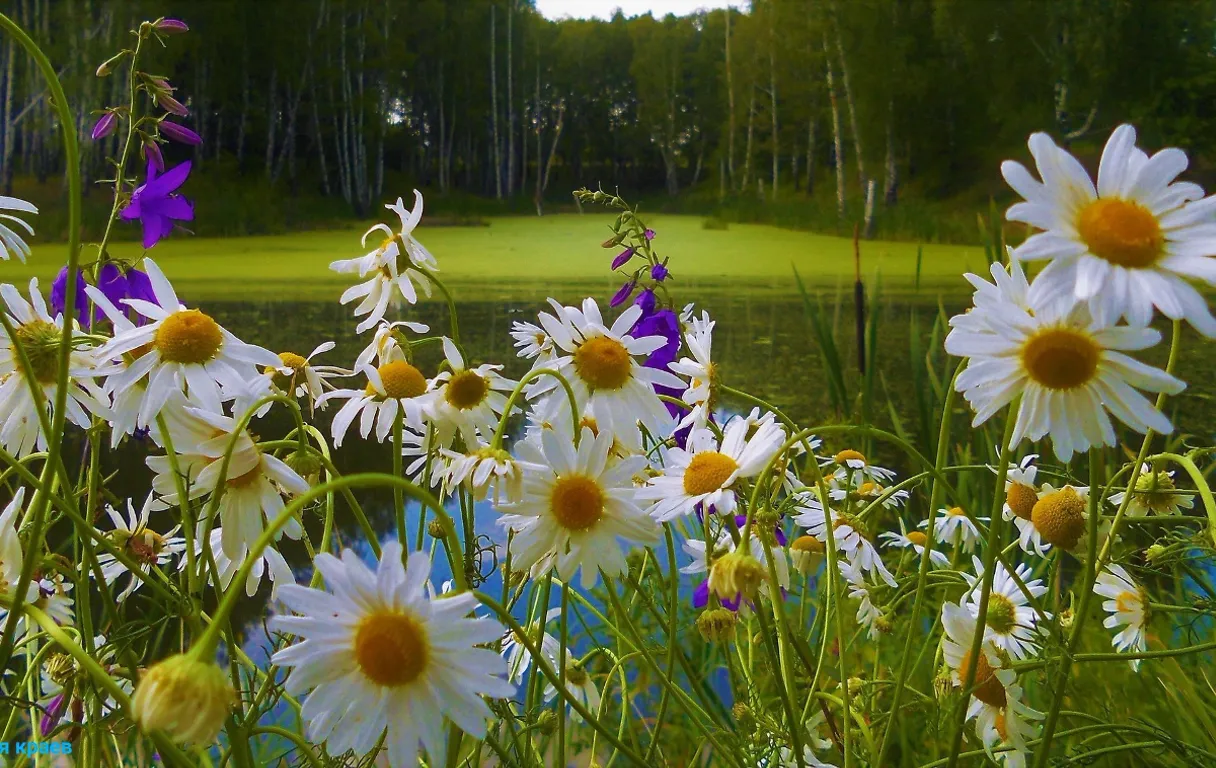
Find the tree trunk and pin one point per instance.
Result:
(772, 92)
(890, 186)
(837, 139)
(510, 101)
(751, 133)
(6, 148)
(730, 101)
(557, 134)
(497, 153)
(320, 141)
(852, 106)
(810, 154)
(538, 196)
(272, 119)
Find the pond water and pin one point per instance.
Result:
(762, 342)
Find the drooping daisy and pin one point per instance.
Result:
(1056, 520)
(1124, 247)
(702, 558)
(271, 563)
(847, 532)
(952, 526)
(1069, 369)
(575, 508)
(996, 698)
(39, 335)
(466, 401)
(179, 350)
(532, 341)
(385, 345)
(516, 652)
(11, 243)
(11, 551)
(67, 689)
(379, 646)
(700, 369)
(253, 484)
(297, 375)
(393, 387)
(865, 492)
(1154, 494)
(868, 614)
(580, 686)
(609, 383)
(144, 546)
(850, 462)
(704, 474)
(916, 541)
(1127, 604)
(396, 263)
(484, 469)
(1012, 623)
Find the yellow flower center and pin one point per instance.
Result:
(1002, 729)
(958, 511)
(245, 480)
(577, 502)
(293, 361)
(603, 363)
(1155, 491)
(1120, 231)
(391, 648)
(575, 674)
(40, 340)
(466, 390)
(1021, 499)
(988, 688)
(188, 337)
(401, 380)
(917, 538)
(1002, 614)
(1127, 601)
(844, 518)
(849, 455)
(1061, 358)
(808, 544)
(590, 423)
(707, 471)
(869, 489)
(1059, 518)
(146, 545)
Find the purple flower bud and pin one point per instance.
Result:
(179, 133)
(104, 126)
(659, 273)
(622, 295)
(59, 294)
(649, 234)
(622, 258)
(171, 26)
(54, 712)
(647, 301)
(171, 105)
(153, 155)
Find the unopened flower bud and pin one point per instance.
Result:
(306, 464)
(153, 155)
(883, 624)
(1154, 553)
(546, 723)
(171, 105)
(111, 63)
(104, 127)
(1066, 618)
(613, 241)
(435, 530)
(170, 26)
(735, 574)
(743, 715)
(716, 624)
(856, 686)
(179, 133)
(943, 684)
(622, 258)
(185, 697)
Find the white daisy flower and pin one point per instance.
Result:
(580, 685)
(575, 507)
(58, 702)
(465, 400)
(850, 462)
(297, 375)
(271, 564)
(1056, 518)
(11, 551)
(868, 614)
(916, 541)
(1069, 370)
(700, 559)
(1006, 727)
(1127, 604)
(125, 402)
(385, 345)
(532, 341)
(49, 593)
(39, 335)
(483, 469)
(952, 526)
(705, 473)
(1012, 623)
(1125, 246)
(254, 482)
(11, 243)
(516, 652)
(1154, 494)
(847, 532)
(609, 383)
(144, 546)
(700, 369)
(379, 646)
(395, 263)
(178, 349)
(865, 492)
(395, 386)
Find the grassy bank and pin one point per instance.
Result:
(515, 253)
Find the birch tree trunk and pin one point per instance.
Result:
(272, 118)
(510, 101)
(837, 139)
(851, 104)
(772, 80)
(497, 153)
(730, 102)
(751, 133)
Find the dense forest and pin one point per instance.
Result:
(819, 105)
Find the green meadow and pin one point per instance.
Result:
(517, 257)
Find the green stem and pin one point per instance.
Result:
(500, 431)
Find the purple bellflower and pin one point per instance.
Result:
(179, 133)
(622, 258)
(104, 126)
(659, 273)
(59, 294)
(155, 204)
(649, 234)
(623, 293)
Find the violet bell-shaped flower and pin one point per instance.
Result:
(622, 258)
(179, 133)
(155, 204)
(623, 293)
(59, 294)
(659, 273)
(104, 126)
